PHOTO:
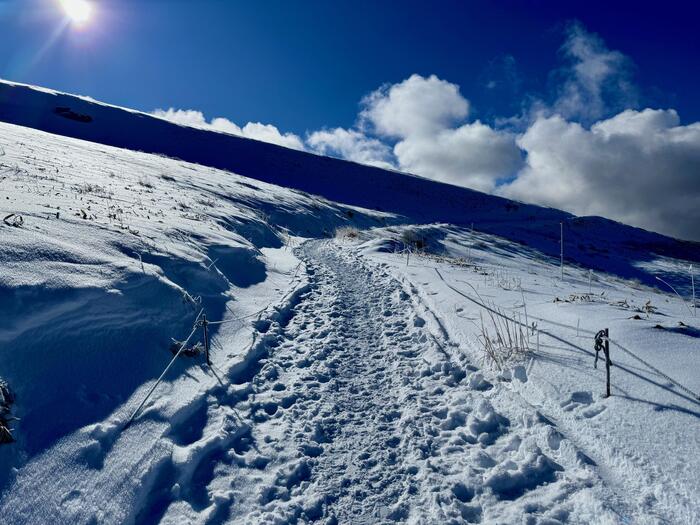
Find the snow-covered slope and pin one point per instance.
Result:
(116, 251)
(347, 386)
(640, 439)
(593, 241)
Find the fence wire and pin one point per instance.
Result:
(569, 343)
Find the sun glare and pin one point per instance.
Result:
(78, 11)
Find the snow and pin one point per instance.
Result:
(641, 438)
(349, 382)
(91, 304)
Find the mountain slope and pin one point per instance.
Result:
(418, 199)
(348, 382)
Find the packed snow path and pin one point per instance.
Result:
(351, 406)
(358, 414)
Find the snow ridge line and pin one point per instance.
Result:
(569, 343)
(225, 321)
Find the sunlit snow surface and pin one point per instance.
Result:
(354, 384)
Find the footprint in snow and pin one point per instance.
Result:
(512, 479)
(477, 382)
(593, 411)
(486, 425)
(576, 400)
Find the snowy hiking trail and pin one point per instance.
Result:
(357, 413)
(350, 393)
(352, 405)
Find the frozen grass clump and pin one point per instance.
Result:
(413, 240)
(503, 279)
(347, 233)
(503, 340)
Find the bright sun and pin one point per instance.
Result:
(79, 11)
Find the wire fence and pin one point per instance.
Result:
(538, 330)
(202, 322)
(183, 346)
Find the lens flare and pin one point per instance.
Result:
(78, 11)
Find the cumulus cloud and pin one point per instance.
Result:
(416, 106)
(352, 145)
(473, 155)
(184, 117)
(252, 130)
(587, 149)
(639, 167)
(591, 153)
(419, 125)
(269, 133)
(426, 115)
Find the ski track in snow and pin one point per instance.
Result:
(356, 412)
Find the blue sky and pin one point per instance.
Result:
(588, 106)
(304, 65)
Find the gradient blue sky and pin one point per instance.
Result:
(303, 65)
(588, 106)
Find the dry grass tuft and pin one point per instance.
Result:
(347, 233)
(503, 340)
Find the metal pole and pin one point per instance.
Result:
(206, 338)
(471, 243)
(692, 281)
(607, 362)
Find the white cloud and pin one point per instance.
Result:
(473, 155)
(184, 117)
(639, 167)
(225, 125)
(252, 130)
(596, 81)
(584, 152)
(416, 106)
(351, 145)
(427, 116)
(269, 133)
